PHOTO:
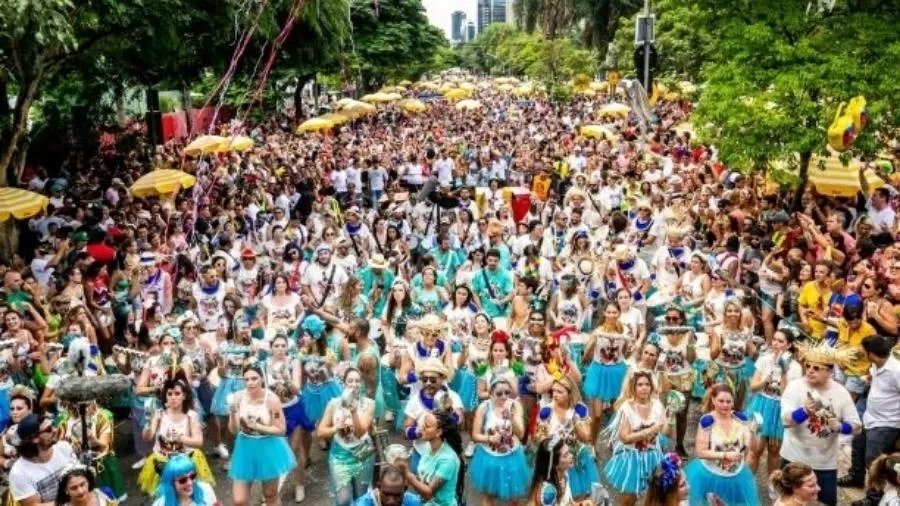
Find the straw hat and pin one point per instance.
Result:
(432, 364)
(825, 354)
(377, 261)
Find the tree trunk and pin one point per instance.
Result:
(24, 100)
(803, 173)
(298, 100)
(121, 116)
(9, 239)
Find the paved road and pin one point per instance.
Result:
(317, 482)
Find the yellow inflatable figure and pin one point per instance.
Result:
(842, 131)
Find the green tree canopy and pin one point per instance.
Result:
(780, 71)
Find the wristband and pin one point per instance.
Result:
(799, 416)
(412, 433)
(846, 428)
(411, 377)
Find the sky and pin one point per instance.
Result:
(439, 12)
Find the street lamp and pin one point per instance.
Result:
(644, 37)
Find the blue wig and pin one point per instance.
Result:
(314, 326)
(178, 465)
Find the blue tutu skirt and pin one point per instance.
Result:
(770, 410)
(604, 381)
(628, 470)
(500, 476)
(584, 473)
(313, 401)
(293, 416)
(736, 490)
(260, 458)
(465, 385)
(227, 386)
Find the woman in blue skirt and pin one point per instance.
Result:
(636, 431)
(232, 358)
(499, 462)
(731, 347)
(283, 379)
(351, 457)
(319, 386)
(774, 369)
(473, 358)
(607, 347)
(723, 438)
(566, 413)
(261, 452)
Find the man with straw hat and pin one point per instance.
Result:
(816, 410)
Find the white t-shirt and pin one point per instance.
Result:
(209, 496)
(27, 479)
(377, 177)
(819, 449)
(882, 221)
(339, 180)
(316, 278)
(415, 409)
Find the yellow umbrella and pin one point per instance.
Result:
(392, 97)
(343, 102)
(468, 86)
(392, 89)
(596, 86)
(315, 125)
(468, 104)
(505, 87)
(358, 108)
(378, 97)
(615, 109)
(831, 177)
(587, 92)
(446, 88)
(412, 105)
(523, 91)
(456, 94)
(405, 82)
(20, 204)
(597, 132)
(204, 144)
(337, 118)
(162, 182)
(237, 143)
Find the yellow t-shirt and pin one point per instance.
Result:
(853, 340)
(816, 300)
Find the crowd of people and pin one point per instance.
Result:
(646, 325)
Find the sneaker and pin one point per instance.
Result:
(221, 451)
(849, 481)
(139, 464)
(299, 493)
(470, 450)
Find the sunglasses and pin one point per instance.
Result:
(503, 393)
(184, 479)
(434, 380)
(816, 367)
(673, 319)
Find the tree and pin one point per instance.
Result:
(600, 18)
(392, 40)
(780, 72)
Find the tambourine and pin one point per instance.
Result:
(585, 267)
(674, 401)
(413, 241)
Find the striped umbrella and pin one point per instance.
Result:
(20, 204)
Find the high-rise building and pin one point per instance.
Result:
(491, 11)
(471, 32)
(458, 26)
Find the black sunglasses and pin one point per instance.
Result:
(186, 478)
(430, 379)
